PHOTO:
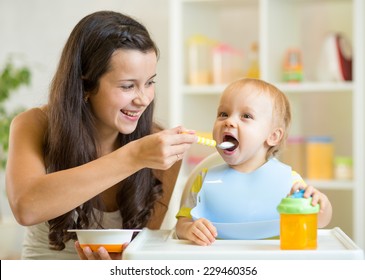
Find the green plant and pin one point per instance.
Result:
(11, 78)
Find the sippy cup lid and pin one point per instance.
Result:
(297, 204)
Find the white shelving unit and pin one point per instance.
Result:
(319, 108)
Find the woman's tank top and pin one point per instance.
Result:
(36, 244)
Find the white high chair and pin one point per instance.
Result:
(182, 188)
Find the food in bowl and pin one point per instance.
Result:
(111, 239)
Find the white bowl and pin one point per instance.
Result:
(111, 239)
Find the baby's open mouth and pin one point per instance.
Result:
(229, 138)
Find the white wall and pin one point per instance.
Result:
(36, 31)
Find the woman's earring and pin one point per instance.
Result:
(86, 98)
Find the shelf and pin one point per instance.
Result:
(334, 108)
(285, 87)
(204, 90)
(331, 184)
(316, 87)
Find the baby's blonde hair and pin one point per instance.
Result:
(281, 108)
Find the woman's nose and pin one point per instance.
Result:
(141, 97)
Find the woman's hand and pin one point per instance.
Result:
(162, 149)
(101, 254)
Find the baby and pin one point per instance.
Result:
(253, 115)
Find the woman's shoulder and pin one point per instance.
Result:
(33, 118)
(37, 114)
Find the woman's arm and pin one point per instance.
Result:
(35, 196)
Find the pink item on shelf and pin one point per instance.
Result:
(227, 64)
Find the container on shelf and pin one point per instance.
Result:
(294, 154)
(199, 49)
(335, 61)
(343, 168)
(253, 70)
(227, 64)
(319, 157)
(298, 222)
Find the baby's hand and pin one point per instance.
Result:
(202, 232)
(317, 196)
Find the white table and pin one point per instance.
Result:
(333, 244)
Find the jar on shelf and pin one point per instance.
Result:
(343, 168)
(227, 64)
(199, 60)
(319, 157)
(253, 70)
(294, 154)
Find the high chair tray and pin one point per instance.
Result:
(162, 245)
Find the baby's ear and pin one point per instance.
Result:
(275, 137)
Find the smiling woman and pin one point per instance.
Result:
(124, 92)
(93, 157)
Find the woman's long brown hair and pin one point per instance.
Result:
(70, 139)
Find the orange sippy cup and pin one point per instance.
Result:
(298, 222)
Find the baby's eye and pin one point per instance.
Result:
(246, 116)
(222, 115)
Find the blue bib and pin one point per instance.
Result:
(229, 196)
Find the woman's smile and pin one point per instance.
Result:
(131, 114)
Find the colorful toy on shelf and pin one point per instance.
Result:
(293, 68)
